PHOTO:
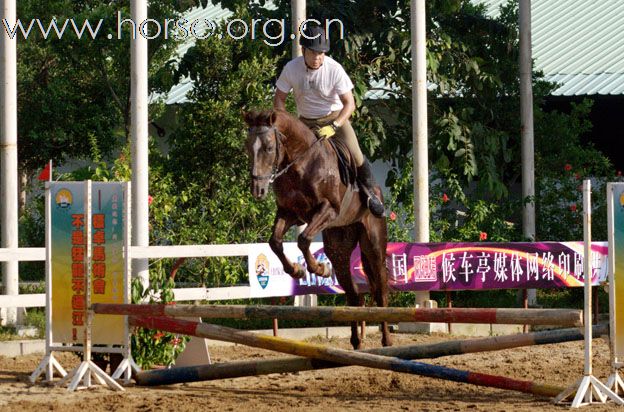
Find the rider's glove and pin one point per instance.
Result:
(328, 131)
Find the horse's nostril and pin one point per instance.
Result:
(261, 192)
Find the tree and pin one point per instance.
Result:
(206, 165)
(474, 152)
(74, 93)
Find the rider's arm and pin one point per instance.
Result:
(347, 110)
(279, 100)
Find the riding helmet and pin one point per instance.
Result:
(313, 38)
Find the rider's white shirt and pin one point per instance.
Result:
(316, 91)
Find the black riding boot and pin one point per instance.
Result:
(367, 183)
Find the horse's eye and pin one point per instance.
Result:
(269, 148)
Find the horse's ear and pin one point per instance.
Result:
(273, 117)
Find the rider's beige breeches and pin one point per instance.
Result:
(345, 133)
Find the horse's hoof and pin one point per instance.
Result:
(325, 272)
(299, 272)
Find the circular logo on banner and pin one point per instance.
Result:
(63, 198)
(262, 270)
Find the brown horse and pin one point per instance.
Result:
(306, 180)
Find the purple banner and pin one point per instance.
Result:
(444, 266)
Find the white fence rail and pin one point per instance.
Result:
(158, 252)
(141, 252)
(22, 254)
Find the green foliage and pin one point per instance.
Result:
(8, 333)
(507, 298)
(203, 177)
(35, 317)
(74, 93)
(149, 346)
(454, 216)
(564, 163)
(32, 234)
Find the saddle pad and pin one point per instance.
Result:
(346, 167)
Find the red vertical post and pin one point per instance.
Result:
(525, 297)
(449, 304)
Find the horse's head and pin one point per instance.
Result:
(263, 148)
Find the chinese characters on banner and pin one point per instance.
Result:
(444, 266)
(475, 266)
(78, 249)
(68, 243)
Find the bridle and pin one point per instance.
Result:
(275, 171)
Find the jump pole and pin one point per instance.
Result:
(586, 387)
(297, 364)
(341, 356)
(559, 317)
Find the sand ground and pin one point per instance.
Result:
(346, 388)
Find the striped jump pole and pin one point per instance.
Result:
(297, 364)
(341, 356)
(559, 317)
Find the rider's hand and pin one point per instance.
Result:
(326, 132)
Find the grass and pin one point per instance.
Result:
(35, 317)
(8, 333)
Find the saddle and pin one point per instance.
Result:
(346, 165)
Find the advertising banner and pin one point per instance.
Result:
(616, 288)
(68, 245)
(440, 267)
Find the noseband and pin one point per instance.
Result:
(275, 172)
(259, 130)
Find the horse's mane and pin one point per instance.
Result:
(285, 122)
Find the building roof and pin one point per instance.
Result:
(578, 44)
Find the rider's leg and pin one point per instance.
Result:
(365, 178)
(364, 174)
(367, 183)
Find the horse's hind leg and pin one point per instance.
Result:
(373, 244)
(338, 244)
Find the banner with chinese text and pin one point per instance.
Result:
(68, 244)
(617, 202)
(440, 266)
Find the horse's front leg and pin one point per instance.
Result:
(318, 223)
(283, 222)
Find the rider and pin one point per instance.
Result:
(322, 91)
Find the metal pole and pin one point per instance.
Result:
(526, 128)
(587, 269)
(139, 133)
(419, 122)
(298, 12)
(419, 128)
(526, 113)
(8, 159)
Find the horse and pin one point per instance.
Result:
(308, 189)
